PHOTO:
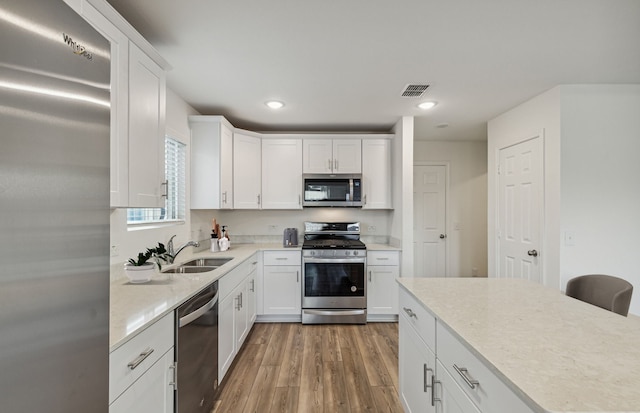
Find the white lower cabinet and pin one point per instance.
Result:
(383, 268)
(236, 312)
(142, 371)
(282, 283)
(151, 393)
(462, 383)
(417, 370)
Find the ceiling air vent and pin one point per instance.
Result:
(414, 90)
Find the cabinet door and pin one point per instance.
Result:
(251, 298)
(226, 337)
(317, 156)
(247, 182)
(226, 167)
(376, 174)
(147, 95)
(152, 392)
(347, 156)
(241, 318)
(282, 174)
(119, 104)
(282, 289)
(416, 370)
(382, 289)
(452, 398)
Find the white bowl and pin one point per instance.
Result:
(138, 274)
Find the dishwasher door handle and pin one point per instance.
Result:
(189, 318)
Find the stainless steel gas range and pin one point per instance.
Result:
(334, 266)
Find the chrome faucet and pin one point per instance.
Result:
(170, 250)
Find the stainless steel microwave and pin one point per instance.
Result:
(335, 190)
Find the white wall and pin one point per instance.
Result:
(129, 243)
(601, 182)
(542, 113)
(467, 208)
(592, 179)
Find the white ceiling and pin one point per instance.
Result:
(341, 65)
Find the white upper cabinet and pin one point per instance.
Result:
(247, 172)
(340, 155)
(376, 174)
(147, 102)
(138, 99)
(281, 174)
(211, 163)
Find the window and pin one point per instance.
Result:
(175, 155)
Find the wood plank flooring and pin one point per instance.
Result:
(290, 368)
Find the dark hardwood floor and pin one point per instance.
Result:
(314, 368)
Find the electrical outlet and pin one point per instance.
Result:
(371, 228)
(115, 251)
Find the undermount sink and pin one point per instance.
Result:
(184, 269)
(207, 262)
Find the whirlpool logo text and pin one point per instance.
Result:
(76, 47)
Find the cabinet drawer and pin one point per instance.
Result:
(158, 337)
(282, 258)
(419, 318)
(490, 394)
(383, 258)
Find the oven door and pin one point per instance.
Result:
(334, 283)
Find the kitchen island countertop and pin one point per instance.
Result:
(559, 354)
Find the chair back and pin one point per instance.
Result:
(605, 291)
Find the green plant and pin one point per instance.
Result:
(158, 254)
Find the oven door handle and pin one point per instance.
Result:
(191, 317)
(332, 260)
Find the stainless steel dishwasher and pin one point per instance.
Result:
(197, 352)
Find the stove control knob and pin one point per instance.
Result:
(355, 252)
(312, 253)
(346, 253)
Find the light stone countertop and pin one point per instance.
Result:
(381, 247)
(133, 307)
(559, 354)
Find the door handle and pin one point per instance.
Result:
(443, 236)
(532, 253)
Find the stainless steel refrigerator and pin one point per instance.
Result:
(54, 210)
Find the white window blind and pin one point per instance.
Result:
(175, 165)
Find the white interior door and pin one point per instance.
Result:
(520, 210)
(429, 231)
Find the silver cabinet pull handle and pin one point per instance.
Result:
(281, 258)
(425, 378)
(174, 379)
(369, 275)
(238, 302)
(335, 166)
(329, 164)
(136, 362)
(258, 199)
(299, 199)
(365, 199)
(462, 371)
(433, 390)
(166, 189)
(297, 276)
(410, 312)
(224, 197)
(253, 286)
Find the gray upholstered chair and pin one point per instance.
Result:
(605, 291)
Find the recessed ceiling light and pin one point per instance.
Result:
(427, 105)
(274, 104)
